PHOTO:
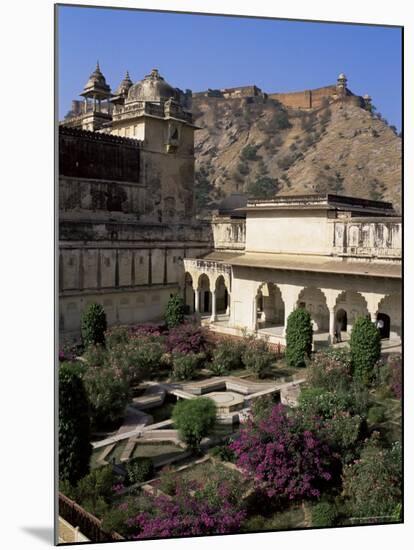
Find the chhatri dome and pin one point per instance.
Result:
(124, 86)
(152, 88)
(96, 84)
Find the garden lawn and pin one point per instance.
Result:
(203, 472)
(157, 451)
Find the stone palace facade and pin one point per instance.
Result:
(129, 237)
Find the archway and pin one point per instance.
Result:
(384, 325)
(354, 305)
(314, 301)
(342, 319)
(222, 296)
(189, 295)
(270, 307)
(205, 294)
(391, 307)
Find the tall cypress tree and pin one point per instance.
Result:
(75, 448)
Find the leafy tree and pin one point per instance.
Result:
(372, 485)
(365, 344)
(298, 337)
(283, 458)
(75, 449)
(202, 189)
(263, 188)
(194, 418)
(108, 393)
(174, 314)
(93, 325)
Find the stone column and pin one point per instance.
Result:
(213, 307)
(228, 304)
(331, 296)
(290, 294)
(254, 323)
(373, 299)
(196, 301)
(331, 325)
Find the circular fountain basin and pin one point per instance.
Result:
(227, 401)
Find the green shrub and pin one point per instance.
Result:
(257, 357)
(95, 491)
(116, 336)
(95, 355)
(93, 325)
(324, 514)
(330, 370)
(250, 152)
(223, 452)
(194, 419)
(376, 414)
(323, 403)
(139, 469)
(185, 366)
(75, 449)
(174, 313)
(263, 188)
(298, 338)
(261, 407)
(167, 481)
(138, 359)
(365, 344)
(108, 393)
(372, 485)
(227, 356)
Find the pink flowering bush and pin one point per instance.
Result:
(187, 338)
(149, 329)
(189, 513)
(285, 459)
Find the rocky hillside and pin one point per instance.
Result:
(256, 146)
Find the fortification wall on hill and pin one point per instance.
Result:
(305, 99)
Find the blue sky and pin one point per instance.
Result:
(200, 52)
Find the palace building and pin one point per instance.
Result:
(129, 237)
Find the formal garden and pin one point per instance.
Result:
(169, 430)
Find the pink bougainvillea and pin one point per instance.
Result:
(189, 513)
(285, 459)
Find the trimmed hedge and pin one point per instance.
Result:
(298, 338)
(365, 344)
(93, 325)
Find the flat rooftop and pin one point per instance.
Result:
(318, 264)
(321, 202)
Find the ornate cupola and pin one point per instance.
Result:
(96, 89)
(96, 114)
(122, 91)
